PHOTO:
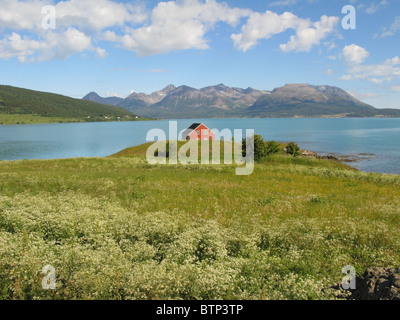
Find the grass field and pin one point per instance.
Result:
(119, 228)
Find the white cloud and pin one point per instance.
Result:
(63, 45)
(393, 29)
(178, 26)
(377, 73)
(346, 77)
(355, 54)
(371, 7)
(76, 21)
(393, 62)
(91, 14)
(264, 26)
(98, 14)
(376, 6)
(19, 47)
(330, 45)
(376, 80)
(21, 15)
(101, 52)
(52, 46)
(306, 38)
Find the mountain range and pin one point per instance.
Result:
(220, 101)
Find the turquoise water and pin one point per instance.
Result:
(380, 137)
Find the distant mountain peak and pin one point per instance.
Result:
(183, 88)
(305, 100)
(169, 87)
(316, 93)
(93, 96)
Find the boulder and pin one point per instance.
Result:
(378, 284)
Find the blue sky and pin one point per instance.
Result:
(116, 47)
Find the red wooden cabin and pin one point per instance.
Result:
(198, 131)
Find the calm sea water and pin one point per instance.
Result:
(380, 137)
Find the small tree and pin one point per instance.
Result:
(293, 149)
(259, 150)
(271, 147)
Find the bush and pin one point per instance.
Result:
(271, 147)
(262, 149)
(293, 149)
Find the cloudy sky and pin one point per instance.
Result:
(115, 47)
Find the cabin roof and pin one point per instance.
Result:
(192, 128)
(195, 126)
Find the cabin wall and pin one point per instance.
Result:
(202, 133)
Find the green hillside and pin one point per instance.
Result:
(28, 106)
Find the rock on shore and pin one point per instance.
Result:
(378, 284)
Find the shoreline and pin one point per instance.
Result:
(77, 122)
(346, 159)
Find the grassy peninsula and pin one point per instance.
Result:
(119, 228)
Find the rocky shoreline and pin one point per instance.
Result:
(312, 154)
(340, 158)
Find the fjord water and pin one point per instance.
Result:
(380, 137)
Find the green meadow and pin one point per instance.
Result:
(119, 228)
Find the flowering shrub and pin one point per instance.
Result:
(102, 251)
